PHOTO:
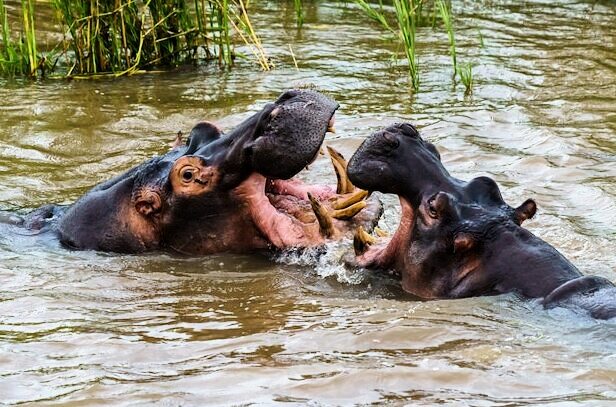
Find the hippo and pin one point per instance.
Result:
(459, 238)
(220, 192)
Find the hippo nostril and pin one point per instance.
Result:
(391, 140)
(432, 209)
(438, 204)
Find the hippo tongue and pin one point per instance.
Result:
(292, 138)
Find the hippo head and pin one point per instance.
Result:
(456, 238)
(224, 192)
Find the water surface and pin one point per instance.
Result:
(87, 328)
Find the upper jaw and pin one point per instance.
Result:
(276, 142)
(292, 134)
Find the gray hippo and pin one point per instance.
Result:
(220, 192)
(460, 239)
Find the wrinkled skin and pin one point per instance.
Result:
(218, 192)
(460, 239)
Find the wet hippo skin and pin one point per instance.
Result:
(460, 239)
(221, 192)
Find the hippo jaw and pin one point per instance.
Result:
(456, 238)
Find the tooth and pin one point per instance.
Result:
(343, 202)
(321, 151)
(380, 232)
(349, 211)
(362, 240)
(326, 223)
(330, 124)
(340, 165)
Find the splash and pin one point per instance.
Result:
(327, 260)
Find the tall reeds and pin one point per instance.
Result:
(299, 12)
(465, 72)
(241, 23)
(411, 14)
(18, 53)
(445, 13)
(29, 35)
(466, 76)
(407, 16)
(121, 37)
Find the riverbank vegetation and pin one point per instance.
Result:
(119, 37)
(123, 37)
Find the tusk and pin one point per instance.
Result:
(362, 240)
(343, 202)
(340, 165)
(330, 124)
(380, 232)
(326, 223)
(350, 211)
(321, 151)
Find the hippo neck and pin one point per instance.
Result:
(106, 220)
(528, 265)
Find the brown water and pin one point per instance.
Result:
(86, 328)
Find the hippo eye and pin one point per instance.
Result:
(187, 175)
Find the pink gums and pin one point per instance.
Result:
(279, 228)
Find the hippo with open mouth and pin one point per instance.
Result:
(460, 239)
(222, 192)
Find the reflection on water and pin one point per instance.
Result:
(79, 328)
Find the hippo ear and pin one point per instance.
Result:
(202, 134)
(147, 202)
(525, 211)
(463, 242)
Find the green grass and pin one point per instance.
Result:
(411, 14)
(445, 12)
(123, 37)
(299, 12)
(120, 37)
(407, 18)
(466, 77)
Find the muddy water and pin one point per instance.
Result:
(86, 328)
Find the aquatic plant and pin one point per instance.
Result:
(466, 76)
(445, 13)
(127, 36)
(406, 16)
(246, 31)
(411, 14)
(124, 36)
(299, 12)
(19, 56)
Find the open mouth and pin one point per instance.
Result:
(308, 213)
